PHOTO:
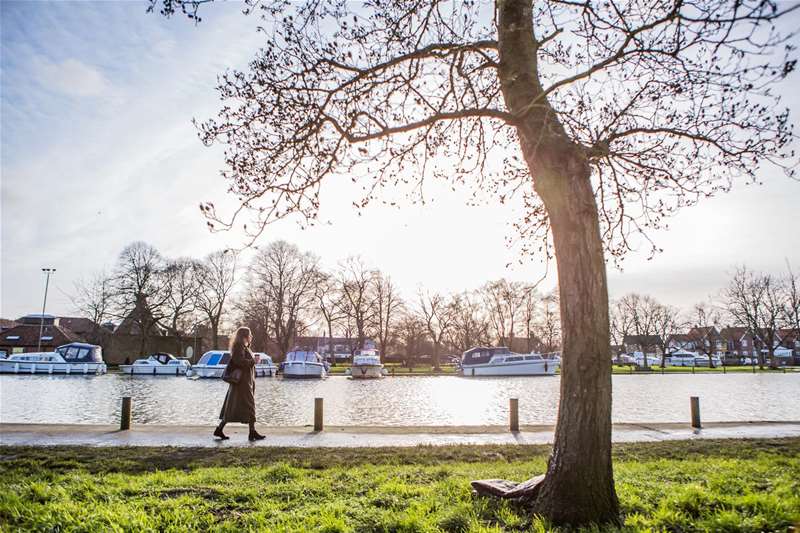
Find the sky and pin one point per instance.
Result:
(97, 150)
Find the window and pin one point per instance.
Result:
(17, 350)
(511, 359)
(12, 338)
(72, 353)
(47, 338)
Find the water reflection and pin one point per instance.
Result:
(401, 401)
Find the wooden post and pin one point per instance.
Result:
(695, 403)
(317, 414)
(513, 414)
(125, 418)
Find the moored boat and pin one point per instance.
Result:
(366, 365)
(213, 364)
(72, 358)
(302, 364)
(500, 361)
(157, 364)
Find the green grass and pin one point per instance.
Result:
(679, 486)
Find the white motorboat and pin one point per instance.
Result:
(158, 364)
(302, 364)
(72, 358)
(681, 358)
(366, 365)
(501, 361)
(639, 359)
(213, 364)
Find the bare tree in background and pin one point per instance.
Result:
(283, 278)
(387, 306)
(704, 334)
(607, 118)
(666, 321)
(356, 282)
(640, 313)
(253, 308)
(217, 277)
(328, 298)
(139, 290)
(755, 301)
(182, 289)
(530, 312)
(621, 322)
(93, 299)
(438, 312)
(504, 303)
(792, 299)
(412, 331)
(470, 326)
(549, 327)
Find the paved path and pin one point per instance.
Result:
(200, 436)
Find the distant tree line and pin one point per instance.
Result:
(283, 293)
(150, 293)
(761, 303)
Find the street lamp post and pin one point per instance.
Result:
(47, 272)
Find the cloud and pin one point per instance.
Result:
(71, 77)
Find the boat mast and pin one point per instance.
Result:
(47, 271)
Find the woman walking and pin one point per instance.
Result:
(240, 402)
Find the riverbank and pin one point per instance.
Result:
(360, 436)
(726, 485)
(395, 370)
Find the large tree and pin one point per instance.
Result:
(606, 116)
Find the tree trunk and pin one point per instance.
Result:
(215, 334)
(436, 366)
(579, 485)
(331, 352)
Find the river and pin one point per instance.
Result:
(392, 401)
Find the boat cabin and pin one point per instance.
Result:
(481, 355)
(215, 357)
(264, 358)
(80, 352)
(164, 358)
(303, 356)
(366, 357)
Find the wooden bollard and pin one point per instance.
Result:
(125, 419)
(317, 414)
(513, 414)
(695, 403)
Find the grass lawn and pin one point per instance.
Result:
(679, 486)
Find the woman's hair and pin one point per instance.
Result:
(239, 338)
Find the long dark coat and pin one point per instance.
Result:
(240, 402)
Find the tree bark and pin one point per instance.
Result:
(215, 333)
(579, 485)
